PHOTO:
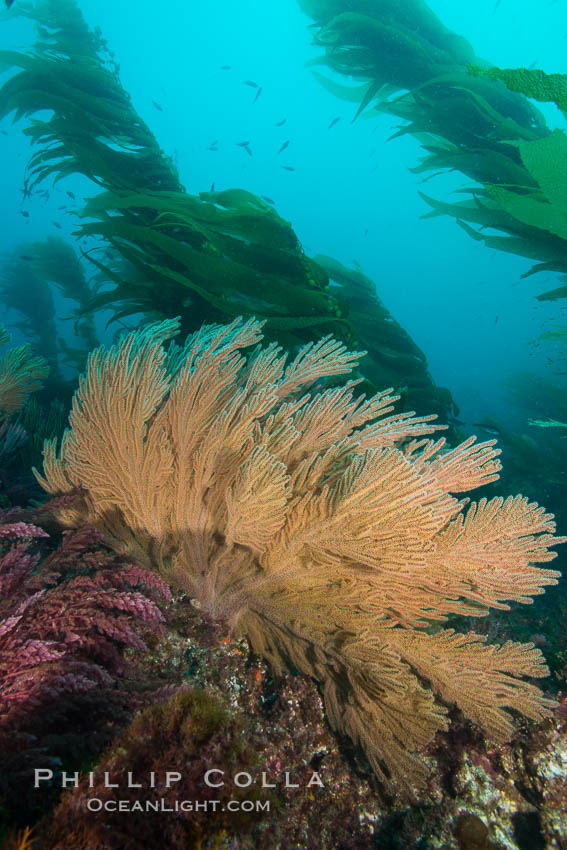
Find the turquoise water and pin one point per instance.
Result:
(229, 92)
(443, 288)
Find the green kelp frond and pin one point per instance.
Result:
(558, 334)
(227, 252)
(546, 161)
(545, 208)
(547, 423)
(162, 251)
(489, 166)
(533, 82)
(27, 292)
(208, 257)
(413, 68)
(532, 210)
(27, 281)
(94, 128)
(40, 422)
(392, 358)
(55, 262)
(21, 373)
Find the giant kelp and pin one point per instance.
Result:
(532, 82)
(542, 204)
(216, 254)
(534, 213)
(465, 115)
(28, 293)
(21, 374)
(56, 261)
(27, 280)
(558, 335)
(392, 355)
(206, 257)
(220, 254)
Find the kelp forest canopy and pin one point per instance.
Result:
(206, 257)
(468, 116)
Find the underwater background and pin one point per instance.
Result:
(445, 290)
(232, 96)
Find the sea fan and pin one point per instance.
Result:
(322, 526)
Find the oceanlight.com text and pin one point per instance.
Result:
(95, 804)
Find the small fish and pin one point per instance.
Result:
(366, 232)
(251, 83)
(496, 5)
(288, 167)
(488, 428)
(212, 189)
(71, 195)
(281, 123)
(243, 144)
(269, 200)
(25, 213)
(213, 146)
(284, 146)
(62, 207)
(532, 66)
(27, 257)
(9, 3)
(333, 122)
(225, 67)
(496, 319)
(248, 151)
(56, 224)
(157, 106)
(4, 132)
(258, 93)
